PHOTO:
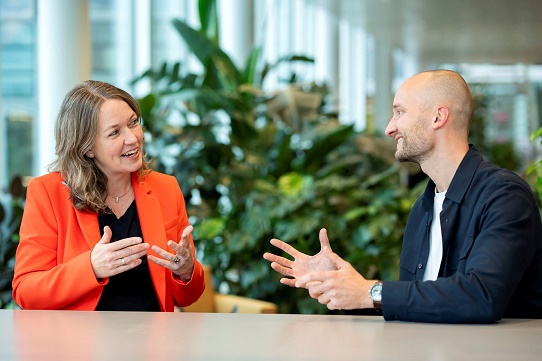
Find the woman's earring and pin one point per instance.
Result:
(90, 155)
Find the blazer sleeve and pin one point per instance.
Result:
(46, 277)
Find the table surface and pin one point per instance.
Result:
(75, 335)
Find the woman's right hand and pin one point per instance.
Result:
(109, 259)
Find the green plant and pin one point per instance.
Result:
(10, 221)
(255, 164)
(502, 153)
(536, 167)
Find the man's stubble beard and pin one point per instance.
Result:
(415, 150)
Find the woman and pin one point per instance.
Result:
(88, 225)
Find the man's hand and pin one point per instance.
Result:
(302, 264)
(341, 289)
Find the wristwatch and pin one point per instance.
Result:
(375, 292)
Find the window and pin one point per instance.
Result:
(18, 87)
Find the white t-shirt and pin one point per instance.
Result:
(435, 247)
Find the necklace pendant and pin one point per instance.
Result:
(116, 199)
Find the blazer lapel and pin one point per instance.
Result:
(152, 227)
(89, 226)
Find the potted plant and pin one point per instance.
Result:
(255, 164)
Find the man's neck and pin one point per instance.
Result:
(443, 164)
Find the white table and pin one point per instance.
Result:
(74, 335)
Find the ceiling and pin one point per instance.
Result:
(452, 31)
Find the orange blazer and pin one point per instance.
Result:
(52, 267)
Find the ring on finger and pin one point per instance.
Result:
(176, 260)
(123, 261)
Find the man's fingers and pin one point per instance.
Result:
(317, 277)
(338, 261)
(288, 282)
(269, 256)
(285, 271)
(278, 259)
(324, 240)
(285, 247)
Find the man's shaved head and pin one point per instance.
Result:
(448, 88)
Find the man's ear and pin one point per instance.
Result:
(441, 117)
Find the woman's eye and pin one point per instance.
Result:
(113, 133)
(134, 122)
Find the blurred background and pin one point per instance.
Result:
(270, 113)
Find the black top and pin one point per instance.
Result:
(131, 290)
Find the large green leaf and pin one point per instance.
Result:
(285, 59)
(251, 68)
(210, 55)
(209, 19)
(324, 138)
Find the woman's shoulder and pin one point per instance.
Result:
(50, 185)
(157, 177)
(157, 180)
(49, 180)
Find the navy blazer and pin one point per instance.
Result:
(492, 251)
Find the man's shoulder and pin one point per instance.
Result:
(491, 182)
(490, 173)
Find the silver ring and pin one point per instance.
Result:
(123, 261)
(176, 260)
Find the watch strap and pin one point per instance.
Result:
(377, 304)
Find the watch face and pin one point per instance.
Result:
(376, 292)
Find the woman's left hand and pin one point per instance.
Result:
(181, 262)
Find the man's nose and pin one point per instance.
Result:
(391, 128)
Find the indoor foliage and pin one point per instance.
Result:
(536, 168)
(256, 165)
(10, 223)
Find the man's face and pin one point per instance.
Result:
(411, 124)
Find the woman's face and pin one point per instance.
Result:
(117, 149)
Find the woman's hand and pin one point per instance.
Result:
(109, 259)
(181, 262)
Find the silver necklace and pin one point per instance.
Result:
(117, 197)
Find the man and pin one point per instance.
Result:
(472, 248)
